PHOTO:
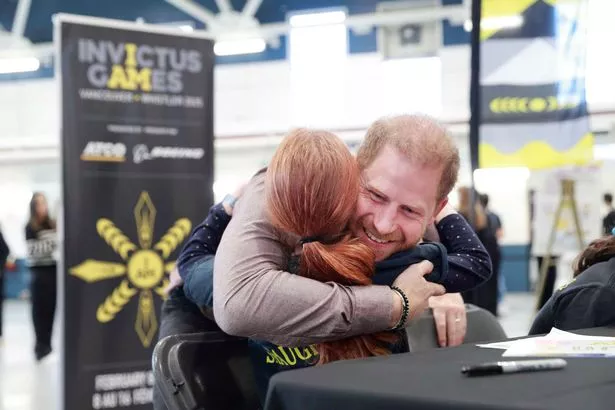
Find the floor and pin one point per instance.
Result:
(27, 385)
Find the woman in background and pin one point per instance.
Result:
(4, 254)
(41, 240)
(589, 300)
(485, 295)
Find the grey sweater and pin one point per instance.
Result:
(255, 297)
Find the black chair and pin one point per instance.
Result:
(204, 371)
(482, 327)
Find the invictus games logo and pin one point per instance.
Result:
(130, 66)
(144, 267)
(138, 73)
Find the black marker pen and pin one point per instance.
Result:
(487, 369)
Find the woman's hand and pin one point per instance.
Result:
(175, 281)
(229, 201)
(446, 211)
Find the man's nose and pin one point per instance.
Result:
(384, 222)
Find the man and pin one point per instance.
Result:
(493, 220)
(494, 223)
(608, 222)
(4, 254)
(409, 165)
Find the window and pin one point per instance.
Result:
(318, 48)
(584, 55)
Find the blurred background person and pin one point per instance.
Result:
(41, 240)
(494, 223)
(4, 254)
(589, 299)
(608, 222)
(493, 220)
(486, 295)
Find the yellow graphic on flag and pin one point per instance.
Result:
(537, 155)
(143, 269)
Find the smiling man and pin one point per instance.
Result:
(392, 214)
(409, 165)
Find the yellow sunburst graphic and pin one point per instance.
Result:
(144, 268)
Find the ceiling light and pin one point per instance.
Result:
(237, 47)
(496, 23)
(19, 65)
(317, 19)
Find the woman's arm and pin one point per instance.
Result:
(195, 264)
(469, 264)
(254, 296)
(204, 240)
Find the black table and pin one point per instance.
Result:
(432, 380)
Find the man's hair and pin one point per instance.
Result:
(311, 190)
(608, 198)
(484, 200)
(421, 139)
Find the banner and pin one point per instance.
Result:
(532, 84)
(137, 157)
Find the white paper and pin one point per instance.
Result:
(560, 343)
(555, 334)
(562, 348)
(501, 345)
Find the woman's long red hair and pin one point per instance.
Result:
(312, 186)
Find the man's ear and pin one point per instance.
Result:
(440, 206)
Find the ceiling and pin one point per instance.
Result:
(38, 28)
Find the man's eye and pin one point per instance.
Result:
(376, 197)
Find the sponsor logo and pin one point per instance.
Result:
(98, 151)
(141, 153)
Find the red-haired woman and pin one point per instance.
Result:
(311, 187)
(589, 300)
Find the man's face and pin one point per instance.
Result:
(397, 201)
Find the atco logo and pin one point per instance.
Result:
(519, 105)
(142, 153)
(98, 151)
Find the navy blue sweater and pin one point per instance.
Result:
(588, 301)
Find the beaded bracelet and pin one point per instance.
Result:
(405, 310)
